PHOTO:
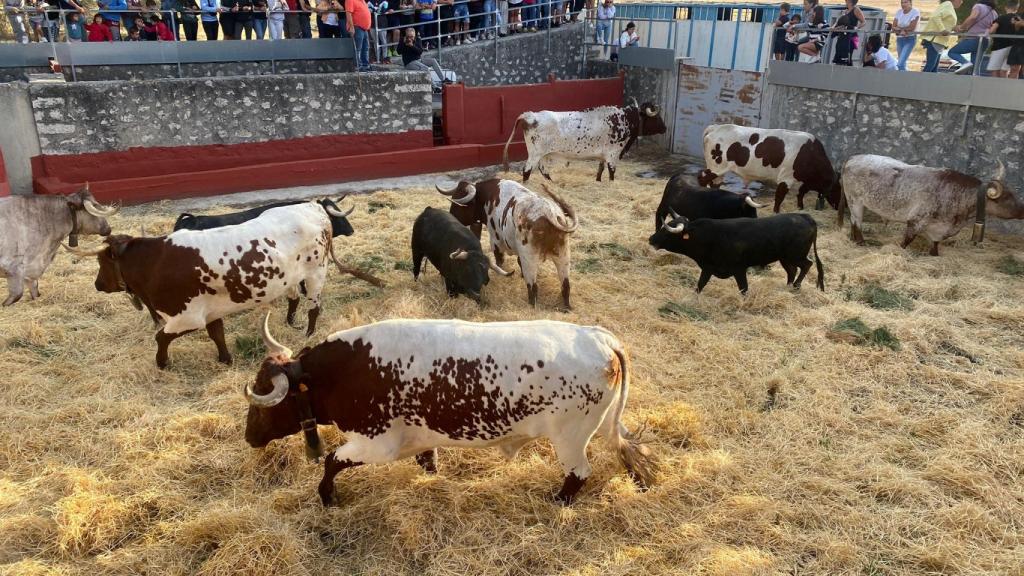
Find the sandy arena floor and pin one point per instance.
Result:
(787, 448)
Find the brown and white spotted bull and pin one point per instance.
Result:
(604, 134)
(788, 159)
(31, 229)
(936, 202)
(193, 278)
(403, 388)
(520, 223)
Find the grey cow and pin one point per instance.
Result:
(31, 230)
(936, 202)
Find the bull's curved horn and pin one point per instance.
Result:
(339, 213)
(1001, 171)
(650, 111)
(677, 229)
(274, 348)
(674, 214)
(447, 192)
(99, 210)
(750, 202)
(465, 200)
(86, 251)
(273, 398)
(496, 268)
(459, 255)
(994, 192)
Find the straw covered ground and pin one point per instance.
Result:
(790, 445)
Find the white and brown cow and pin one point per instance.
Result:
(403, 388)
(519, 222)
(193, 278)
(31, 228)
(604, 134)
(787, 159)
(936, 202)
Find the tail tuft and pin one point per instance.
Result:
(817, 264)
(639, 462)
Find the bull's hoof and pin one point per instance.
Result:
(565, 308)
(564, 499)
(224, 359)
(310, 330)
(330, 499)
(161, 363)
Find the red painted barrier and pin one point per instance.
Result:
(485, 115)
(5, 186)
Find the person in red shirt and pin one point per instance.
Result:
(98, 31)
(358, 24)
(156, 28)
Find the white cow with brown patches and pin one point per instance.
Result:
(520, 223)
(402, 388)
(604, 134)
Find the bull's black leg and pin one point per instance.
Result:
(331, 468)
(780, 194)
(600, 171)
(703, 280)
(314, 313)
(476, 228)
(790, 271)
(451, 288)
(428, 461)
(163, 340)
(611, 172)
(800, 199)
(856, 235)
(565, 296)
(741, 281)
(804, 267)
(293, 305)
(909, 234)
(417, 264)
(526, 175)
(531, 294)
(215, 330)
(935, 249)
(570, 487)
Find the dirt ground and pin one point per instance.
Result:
(789, 445)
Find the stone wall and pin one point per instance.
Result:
(521, 58)
(116, 115)
(643, 85)
(915, 131)
(187, 70)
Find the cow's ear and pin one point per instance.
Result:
(76, 200)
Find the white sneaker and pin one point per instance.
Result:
(469, 40)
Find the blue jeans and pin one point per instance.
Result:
(968, 46)
(307, 30)
(602, 31)
(362, 39)
(529, 16)
(488, 15)
(904, 46)
(932, 54)
(259, 27)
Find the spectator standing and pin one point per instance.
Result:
(358, 19)
(210, 9)
(98, 31)
(814, 17)
(793, 39)
(36, 10)
(171, 15)
(460, 24)
(515, 13)
(489, 19)
(878, 56)
(243, 18)
(305, 14)
(16, 15)
(327, 18)
(276, 19)
(228, 9)
(781, 24)
(379, 10)
(112, 18)
(998, 61)
(904, 25)
(978, 22)
(158, 30)
(427, 28)
(259, 19)
(291, 20)
(54, 16)
(189, 18)
(445, 21)
(1016, 58)
(476, 17)
(529, 15)
(846, 42)
(603, 29)
(411, 51)
(76, 29)
(940, 22)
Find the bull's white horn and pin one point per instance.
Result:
(339, 213)
(497, 269)
(447, 192)
(465, 200)
(994, 192)
(651, 111)
(459, 255)
(274, 348)
(1001, 171)
(273, 398)
(677, 229)
(674, 214)
(86, 251)
(99, 210)
(750, 202)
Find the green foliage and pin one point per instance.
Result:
(250, 347)
(855, 331)
(19, 343)
(403, 265)
(374, 206)
(588, 265)
(882, 299)
(373, 263)
(674, 310)
(617, 251)
(1010, 265)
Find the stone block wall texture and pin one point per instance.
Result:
(188, 70)
(918, 132)
(521, 58)
(643, 85)
(87, 117)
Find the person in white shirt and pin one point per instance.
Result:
(878, 56)
(629, 37)
(904, 25)
(603, 28)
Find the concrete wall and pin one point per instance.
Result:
(106, 116)
(521, 58)
(644, 85)
(18, 139)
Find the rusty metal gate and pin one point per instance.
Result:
(713, 96)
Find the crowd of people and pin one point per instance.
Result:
(803, 36)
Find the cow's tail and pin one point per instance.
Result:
(504, 156)
(364, 276)
(562, 223)
(817, 264)
(184, 221)
(634, 456)
(842, 200)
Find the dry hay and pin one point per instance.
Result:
(784, 451)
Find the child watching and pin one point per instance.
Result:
(793, 37)
(781, 24)
(877, 55)
(98, 31)
(76, 31)
(37, 18)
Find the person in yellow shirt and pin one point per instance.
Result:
(941, 21)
